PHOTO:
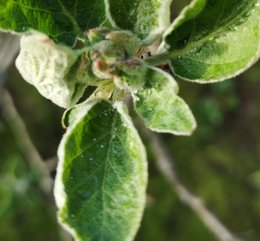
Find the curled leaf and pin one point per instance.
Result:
(46, 65)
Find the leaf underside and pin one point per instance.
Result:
(102, 175)
(214, 40)
(158, 104)
(62, 20)
(46, 65)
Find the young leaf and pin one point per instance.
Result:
(130, 74)
(61, 20)
(46, 65)
(102, 175)
(214, 40)
(159, 106)
(126, 40)
(147, 18)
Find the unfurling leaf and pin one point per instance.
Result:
(102, 175)
(46, 65)
(158, 104)
(214, 40)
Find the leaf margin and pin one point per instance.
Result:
(163, 22)
(59, 189)
(165, 54)
(175, 87)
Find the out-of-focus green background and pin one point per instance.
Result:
(220, 163)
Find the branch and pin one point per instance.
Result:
(9, 47)
(164, 163)
(23, 139)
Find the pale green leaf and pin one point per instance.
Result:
(61, 20)
(158, 104)
(102, 175)
(130, 74)
(126, 40)
(46, 65)
(147, 18)
(214, 40)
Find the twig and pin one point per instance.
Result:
(9, 47)
(164, 163)
(23, 139)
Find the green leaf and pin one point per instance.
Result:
(147, 18)
(61, 20)
(46, 65)
(214, 40)
(159, 106)
(130, 74)
(102, 175)
(126, 40)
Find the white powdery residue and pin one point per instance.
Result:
(44, 64)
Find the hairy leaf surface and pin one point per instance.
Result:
(46, 65)
(102, 175)
(159, 106)
(147, 18)
(62, 20)
(214, 40)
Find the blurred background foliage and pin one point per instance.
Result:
(220, 163)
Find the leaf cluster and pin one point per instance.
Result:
(67, 46)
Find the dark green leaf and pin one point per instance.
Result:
(62, 20)
(214, 40)
(147, 18)
(102, 175)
